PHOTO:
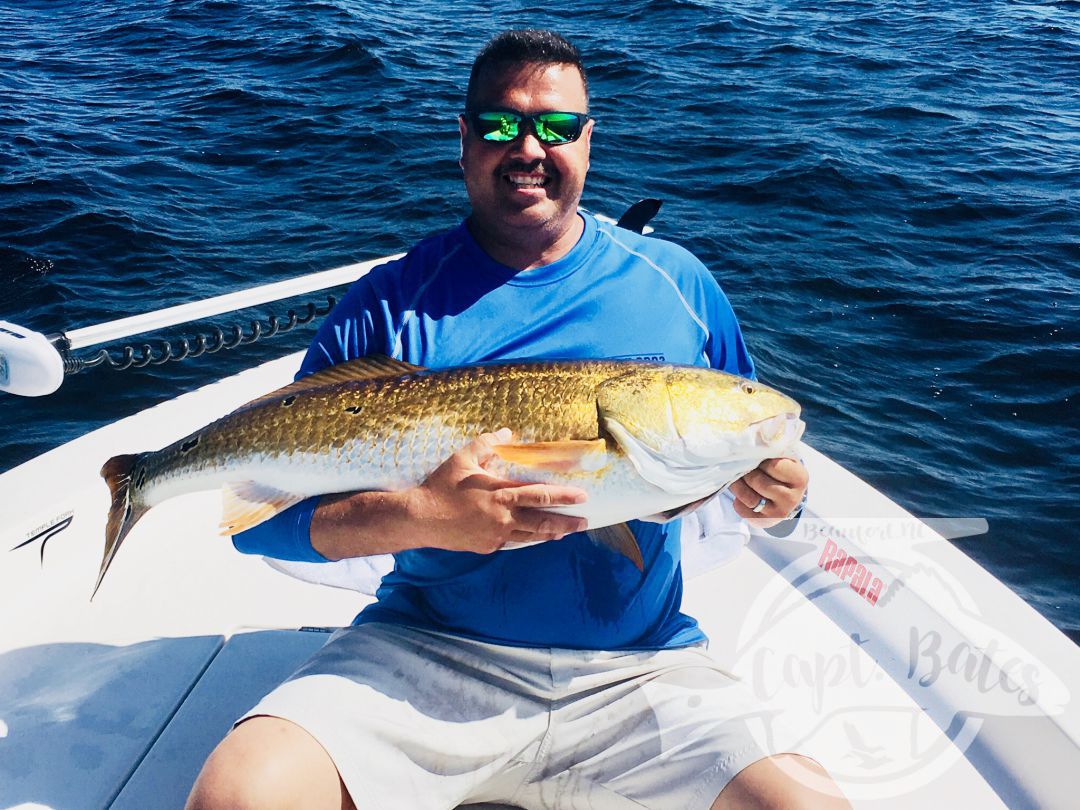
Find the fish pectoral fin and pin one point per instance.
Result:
(245, 504)
(678, 511)
(620, 539)
(569, 456)
(372, 367)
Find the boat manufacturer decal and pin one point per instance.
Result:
(47, 531)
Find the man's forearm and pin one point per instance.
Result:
(360, 524)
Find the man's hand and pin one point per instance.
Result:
(462, 507)
(780, 481)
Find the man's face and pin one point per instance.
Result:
(502, 179)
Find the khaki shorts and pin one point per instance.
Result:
(418, 719)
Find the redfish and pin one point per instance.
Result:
(645, 440)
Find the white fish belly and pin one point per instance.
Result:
(616, 492)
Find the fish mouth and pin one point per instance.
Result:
(779, 431)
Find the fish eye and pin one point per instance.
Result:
(747, 388)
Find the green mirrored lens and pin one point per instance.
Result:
(498, 126)
(557, 127)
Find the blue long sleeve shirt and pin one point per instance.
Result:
(616, 294)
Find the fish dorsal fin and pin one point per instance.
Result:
(619, 538)
(372, 367)
(246, 503)
(363, 368)
(575, 455)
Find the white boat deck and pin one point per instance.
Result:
(948, 690)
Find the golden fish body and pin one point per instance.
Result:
(642, 439)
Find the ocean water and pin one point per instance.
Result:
(889, 192)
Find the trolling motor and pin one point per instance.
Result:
(30, 365)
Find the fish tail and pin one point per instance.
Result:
(124, 512)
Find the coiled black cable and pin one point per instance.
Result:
(164, 352)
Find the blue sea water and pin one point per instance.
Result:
(889, 192)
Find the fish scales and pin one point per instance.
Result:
(669, 435)
(421, 417)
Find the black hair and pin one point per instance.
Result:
(520, 47)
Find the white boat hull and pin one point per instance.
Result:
(876, 646)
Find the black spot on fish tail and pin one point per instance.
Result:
(141, 478)
(189, 445)
(353, 409)
(288, 401)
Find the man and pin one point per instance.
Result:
(555, 675)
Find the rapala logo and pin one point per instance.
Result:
(844, 565)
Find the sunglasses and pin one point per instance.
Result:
(551, 128)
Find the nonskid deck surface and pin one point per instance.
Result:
(866, 637)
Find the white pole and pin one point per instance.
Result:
(147, 322)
